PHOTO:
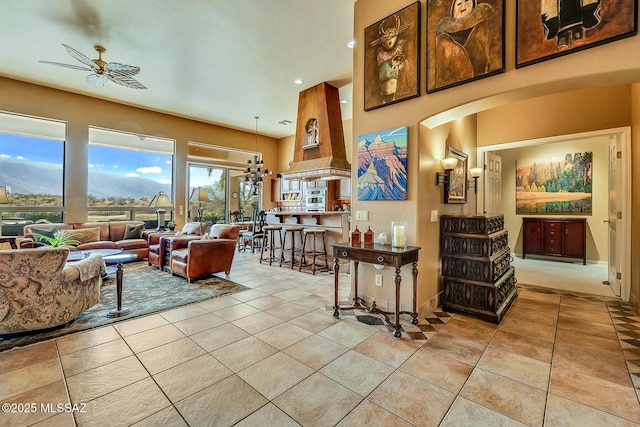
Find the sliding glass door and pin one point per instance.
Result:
(219, 194)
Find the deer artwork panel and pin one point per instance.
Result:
(392, 58)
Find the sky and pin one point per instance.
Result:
(157, 167)
(396, 134)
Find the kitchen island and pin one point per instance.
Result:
(336, 223)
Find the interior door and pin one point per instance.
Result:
(615, 216)
(492, 183)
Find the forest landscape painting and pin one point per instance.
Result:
(556, 185)
(382, 165)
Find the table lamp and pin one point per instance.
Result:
(160, 201)
(199, 195)
(3, 201)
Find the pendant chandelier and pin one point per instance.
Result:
(255, 172)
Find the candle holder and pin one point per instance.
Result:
(399, 234)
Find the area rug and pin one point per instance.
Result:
(145, 290)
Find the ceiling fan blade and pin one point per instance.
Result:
(121, 69)
(74, 67)
(96, 80)
(126, 81)
(81, 57)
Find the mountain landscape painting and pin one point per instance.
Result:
(382, 165)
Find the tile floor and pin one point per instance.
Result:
(275, 356)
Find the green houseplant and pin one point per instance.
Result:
(57, 240)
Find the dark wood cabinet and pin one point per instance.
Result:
(555, 237)
(476, 265)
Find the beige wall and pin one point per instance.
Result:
(80, 112)
(635, 197)
(609, 68)
(562, 113)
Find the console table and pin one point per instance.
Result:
(382, 255)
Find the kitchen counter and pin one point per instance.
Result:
(288, 213)
(336, 223)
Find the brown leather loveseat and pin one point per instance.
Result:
(96, 235)
(212, 253)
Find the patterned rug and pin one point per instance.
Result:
(145, 290)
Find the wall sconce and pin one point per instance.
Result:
(448, 165)
(160, 201)
(475, 174)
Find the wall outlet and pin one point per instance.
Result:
(378, 279)
(434, 216)
(362, 215)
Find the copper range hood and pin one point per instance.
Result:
(319, 152)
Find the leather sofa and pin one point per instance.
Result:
(40, 290)
(111, 236)
(156, 242)
(207, 255)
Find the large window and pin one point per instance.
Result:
(125, 171)
(31, 169)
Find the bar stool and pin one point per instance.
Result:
(269, 243)
(314, 252)
(293, 249)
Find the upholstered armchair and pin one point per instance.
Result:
(157, 244)
(40, 290)
(212, 253)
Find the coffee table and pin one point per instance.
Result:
(119, 260)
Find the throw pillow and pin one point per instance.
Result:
(133, 231)
(84, 235)
(47, 232)
(191, 228)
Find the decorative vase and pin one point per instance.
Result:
(382, 238)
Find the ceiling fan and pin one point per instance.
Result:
(102, 71)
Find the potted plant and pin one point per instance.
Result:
(57, 240)
(171, 225)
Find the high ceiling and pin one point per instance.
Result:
(219, 61)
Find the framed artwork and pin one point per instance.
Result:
(465, 41)
(456, 190)
(552, 28)
(555, 185)
(382, 165)
(392, 58)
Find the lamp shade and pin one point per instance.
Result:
(449, 163)
(199, 194)
(475, 172)
(3, 195)
(160, 200)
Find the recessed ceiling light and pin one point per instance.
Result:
(298, 81)
(351, 44)
(285, 122)
(343, 101)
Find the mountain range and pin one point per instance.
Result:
(25, 177)
(382, 170)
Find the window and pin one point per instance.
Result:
(31, 165)
(125, 172)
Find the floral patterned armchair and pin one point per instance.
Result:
(40, 290)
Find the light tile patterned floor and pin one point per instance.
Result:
(275, 356)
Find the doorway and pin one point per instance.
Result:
(621, 250)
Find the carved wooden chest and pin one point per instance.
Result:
(478, 277)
